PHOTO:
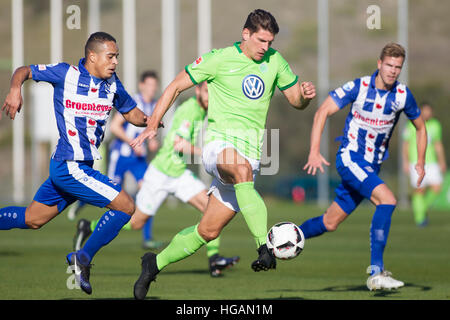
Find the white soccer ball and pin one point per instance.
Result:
(285, 240)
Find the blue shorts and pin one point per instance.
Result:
(118, 165)
(76, 180)
(359, 178)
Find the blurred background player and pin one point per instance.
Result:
(241, 82)
(122, 158)
(167, 174)
(435, 165)
(84, 96)
(376, 104)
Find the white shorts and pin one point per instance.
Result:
(157, 186)
(433, 175)
(223, 191)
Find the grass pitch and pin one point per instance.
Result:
(331, 267)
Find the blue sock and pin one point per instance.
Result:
(313, 227)
(379, 231)
(12, 218)
(147, 232)
(107, 228)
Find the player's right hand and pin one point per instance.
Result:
(420, 169)
(12, 104)
(149, 133)
(315, 161)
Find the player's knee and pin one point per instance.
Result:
(330, 225)
(243, 173)
(123, 203)
(208, 234)
(130, 207)
(33, 223)
(389, 200)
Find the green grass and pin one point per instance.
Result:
(32, 263)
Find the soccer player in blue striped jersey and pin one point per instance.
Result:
(123, 159)
(377, 102)
(84, 96)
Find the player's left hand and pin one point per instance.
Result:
(308, 90)
(420, 169)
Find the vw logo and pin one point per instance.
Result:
(253, 86)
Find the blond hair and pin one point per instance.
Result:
(393, 50)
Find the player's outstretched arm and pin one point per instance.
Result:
(421, 138)
(13, 101)
(181, 82)
(315, 159)
(136, 116)
(300, 94)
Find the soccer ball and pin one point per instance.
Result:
(285, 240)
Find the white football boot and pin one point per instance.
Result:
(383, 281)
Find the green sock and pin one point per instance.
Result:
(184, 244)
(430, 197)
(127, 226)
(212, 247)
(253, 209)
(93, 224)
(419, 207)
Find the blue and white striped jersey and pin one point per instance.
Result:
(82, 106)
(131, 130)
(373, 115)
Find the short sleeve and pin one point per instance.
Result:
(346, 94)
(123, 102)
(51, 73)
(204, 68)
(411, 109)
(285, 77)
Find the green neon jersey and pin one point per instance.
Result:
(187, 122)
(240, 90)
(434, 134)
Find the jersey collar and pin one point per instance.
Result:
(236, 44)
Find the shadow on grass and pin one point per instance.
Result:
(195, 271)
(9, 254)
(362, 288)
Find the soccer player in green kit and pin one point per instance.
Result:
(435, 165)
(168, 174)
(241, 82)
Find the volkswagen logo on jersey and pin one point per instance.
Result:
(253, 86)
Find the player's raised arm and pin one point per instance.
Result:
(300, 95)
(421, 138)
(181, 82)
(13, 101)
(315, 159)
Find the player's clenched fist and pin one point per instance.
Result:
(308, 90)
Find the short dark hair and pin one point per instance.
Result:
(261, 19)
(148, 74)
(95, 39)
